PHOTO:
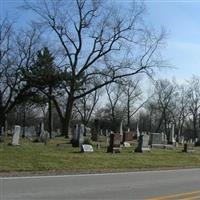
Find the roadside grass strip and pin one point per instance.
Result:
(179, 196)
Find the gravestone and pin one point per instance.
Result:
(138, 131)
(114, 143)
(16, 135)
(155, 138)
(128, 137)
(188, 148)
(143, 144)
(107, 138)
(77, 138)
(172, 138)
(121, 128)
(86, 148)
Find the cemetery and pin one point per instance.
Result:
(111, 152)
(83, 93)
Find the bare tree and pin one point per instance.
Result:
(16, 53)
(194, 101)
(132, 94)
(164, 91)
(85, 107)
(90, 32)
(114, 92)
(181, 109)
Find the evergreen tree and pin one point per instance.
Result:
(44, 76)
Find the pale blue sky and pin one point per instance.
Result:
(181, 19)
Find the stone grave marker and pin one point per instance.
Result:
(121, 128)
(86, 148)
(188, 148)
(128, 137)
(172, 138)
(77, 138)
(143, 144)
(155, 138)
(114, 143)
(16, 135)
(138, 131)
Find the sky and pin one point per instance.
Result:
(181, 20)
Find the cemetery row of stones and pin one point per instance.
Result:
(114, 141)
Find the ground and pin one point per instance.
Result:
(34, 157)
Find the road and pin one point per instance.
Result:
(154, 185)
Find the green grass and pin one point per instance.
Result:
(31, 156)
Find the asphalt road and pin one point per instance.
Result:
(122, 186)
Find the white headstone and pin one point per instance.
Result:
(86, 148)
(121, 128)
(172, 134)
(138, 131)
(15, 139)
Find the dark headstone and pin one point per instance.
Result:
(114, 143)
(77, 138)
(127, 137)
(188, 148)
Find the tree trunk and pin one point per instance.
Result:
(2, 119)
(68, 113)
(64, 127)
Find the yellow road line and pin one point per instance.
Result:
(191, 198)
(175, 195)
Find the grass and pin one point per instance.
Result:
(31, 156)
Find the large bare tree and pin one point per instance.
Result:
(94, 36)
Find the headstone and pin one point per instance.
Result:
(128, 137)
(86, 148)
(138, 131)
(163, 136)
(188, 148)
(155, 138)
(16, 135)
(172, 138)
(77, 138)
(121, 128)
(114, 143)
(143, 144)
